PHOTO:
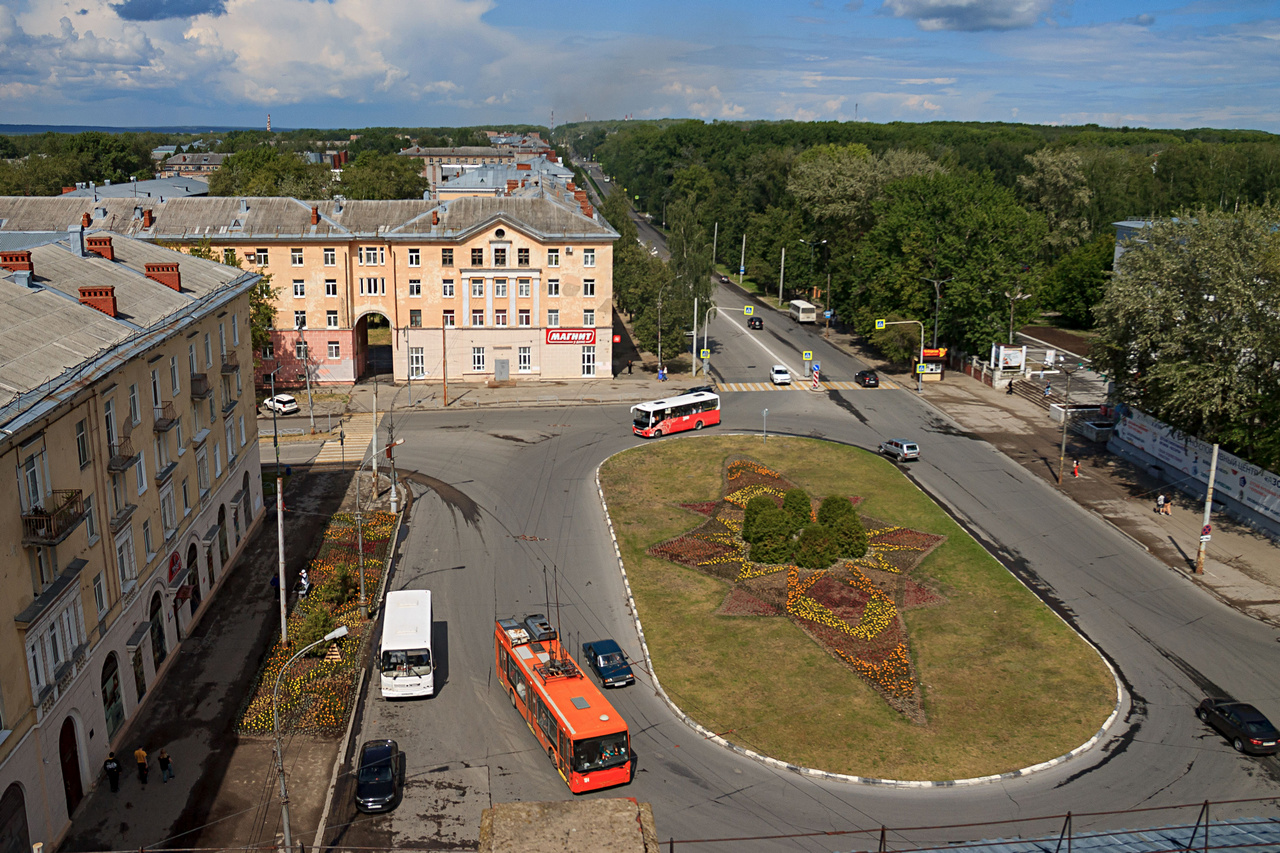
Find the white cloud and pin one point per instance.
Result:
(969, 15)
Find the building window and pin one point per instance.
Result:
(588, 287)
(260, 258)
(415, 287)
(477, 316)
(522, 257)
(588, 257)
(477, 288)
(417, 365)
(523, 317)
(140, 473)
(299, 288)
(126, 562)
(588, 361)
(477, 257)
(82, 442)
(299, 319)
(446, 257)
(589, 317)
(553, 287)
(191, 358)
(208, 350)
(553, 257)
(330, 287)
(173, 375)
(524, 362)
(300, 350)
(99, 594)
(269, 352)
(229, 258)
(415, 318)
(217, 461)
(446, 318)
(499, 257)
(499, 288)
(523, 287)
(330, 257)
(331, 319)
(134, 415)
(186, 496)
(415, 258)
(373, 287)
(243, 439)
(477, 359)
(90, 519)
(168, 515)
(500, 317)
(235, 330)
(295, 257)
(335, 349)
(177, 429)
(147, 544)
(553, 317)
(446, 288)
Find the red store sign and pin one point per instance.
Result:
(571, 336)
(175, 564)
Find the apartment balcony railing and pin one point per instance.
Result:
(122, 455)
(200, 387)
(49, 526)
(166, 416)
(230, 361)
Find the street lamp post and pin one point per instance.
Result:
(706, 325)
(340, 631)
(937, 302)
(1013, 298)
(275, 439)
(811, 246)
(1066, 420)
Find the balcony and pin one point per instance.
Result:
(121, 518)
(122, 455)
(166, 417)
(230, 361)
(231, 405)
(200, 387)
(51, 526)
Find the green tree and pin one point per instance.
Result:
(262, 298)
(774, 538)
(816, 548)
(1187, 329)
(1058, 190)
(849, 535)
(833, 507)
(837, 185)
(1078, 280)
(268, 171)
(755, 508)
(339, 588)
(796, 504)
(383, 176)
(315, 626)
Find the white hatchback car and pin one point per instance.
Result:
(779, 375)
(281, 404)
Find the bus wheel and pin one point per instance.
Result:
(657, 433)
(698, 425)
(512, 695)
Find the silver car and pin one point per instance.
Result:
(779, 375)
(900, 449)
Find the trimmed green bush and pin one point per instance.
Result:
(816, 547)
(849, 535)
(318, 623)
(751, 515)
(339, 589)
(797, 505)
(774, 542)
(833, 507)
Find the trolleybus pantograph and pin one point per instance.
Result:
(676, 414)
(582, 734)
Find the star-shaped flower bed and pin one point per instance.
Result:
(853, 608)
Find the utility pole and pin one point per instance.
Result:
(1208, 508)
(782, 273)
(826, 309)
(742, 264)
(1066, 420)
(693, 350)
(284, 611)
(375, 432)
(444, 362)
(715, 236)
(311, 410)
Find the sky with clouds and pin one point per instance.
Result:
(360, 63)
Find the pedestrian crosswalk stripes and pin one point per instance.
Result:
(355, 446)
(799, 386)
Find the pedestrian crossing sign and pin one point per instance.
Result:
(748, 310)
(706, 354)
(808, 355)
(879, 325)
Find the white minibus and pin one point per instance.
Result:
(404, 654)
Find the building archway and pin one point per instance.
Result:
(15, 837)
(69, 757)
(159, 650)
(112, 695)
(373, 337)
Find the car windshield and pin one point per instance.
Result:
(379, 771)
(600, 752)
(1258, 727)
(643, 419)
(410, 662)
(612, 659)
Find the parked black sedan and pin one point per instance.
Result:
(867, 379)
(379, 776)
(1244, 725)
(609, 662)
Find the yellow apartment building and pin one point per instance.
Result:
(127, 421)
(511, 288)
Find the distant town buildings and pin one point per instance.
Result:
(154, 189)
(193, 165)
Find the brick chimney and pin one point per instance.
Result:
(86, 220)
(102, 298)
(66, 190)
(512, 184)
(147, 218)
(315, 215)
(16, 261)
(166, 274)
(435, 217)
(570, 186)
(100, 244)
(587, 210)
(523, 167)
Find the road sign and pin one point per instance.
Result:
(827, 314)
(1206, 530)
(921, 368)
(742, 270)
(748, 310)
(1205, 538)
(816, 367)
(879, 325)
(807, 355)
(617, 339)
(706, 354)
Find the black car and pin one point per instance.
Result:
(1244, 725)
(724, 279)
(609, 662)
(867, 379)
(379, 776)
(755, 322)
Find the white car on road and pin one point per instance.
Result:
(779, 375)
(281, 404)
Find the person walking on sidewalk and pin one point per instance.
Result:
(1009, 388)
(1160, 504)
(140, 756)
(112, 769)
(1048, 389)
(629, 363)
(1075, 468)
(1168, 507)
(166, 766)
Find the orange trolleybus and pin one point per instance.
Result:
(584, 737)
(693, 410)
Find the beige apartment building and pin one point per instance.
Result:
(127, 421)
(511, 288)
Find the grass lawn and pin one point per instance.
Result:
(1005, 683)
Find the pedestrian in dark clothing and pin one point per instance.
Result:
(112, 768)
(628, 367)
(1048, 389)
(140, 756)
(166, 766)
(1009, 390)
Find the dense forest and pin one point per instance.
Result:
(973, 230)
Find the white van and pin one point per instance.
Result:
(803, 312)
(404, 654)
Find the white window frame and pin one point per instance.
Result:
(589, 360)
(588, 287)
(553, 287)
(553, 257)
(415, 257)
(331, 319)
(446, 288)
(524, 363)
(415, 287)
(299, 319)
(588, 257)
(335, 349)
(588, 318)
(477, 288)
(295, 257)
(477, 359)
(553, 318)
(330, 287)
(299, 289)
(330, 257)
(524, 287)
(417, 363)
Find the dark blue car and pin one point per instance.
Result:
(609, 662)
(379, 776)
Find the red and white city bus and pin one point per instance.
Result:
(584, 737)
(676, 414)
